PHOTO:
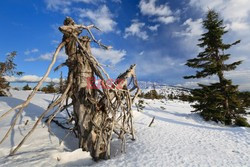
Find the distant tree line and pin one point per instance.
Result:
(182, 96)
(152, 94)
(51, 87)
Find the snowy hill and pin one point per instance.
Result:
(163, 88)
(176, 138)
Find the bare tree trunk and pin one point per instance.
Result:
(97, 112)
(84, 98)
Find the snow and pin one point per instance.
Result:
(176, 138)
(74, 158)
(163, 89)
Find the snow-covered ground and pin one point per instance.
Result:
(176, 138)
(163, 89)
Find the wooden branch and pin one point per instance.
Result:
(41, 117)
(59, 124)
(91, 57)
(151, 122)
(12, 125)
(23, 105)
(60, 66)
(70, 29)
(60, 107)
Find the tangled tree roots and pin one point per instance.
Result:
(99, 111)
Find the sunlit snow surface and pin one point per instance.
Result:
(176, 138)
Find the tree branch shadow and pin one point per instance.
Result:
(199, 122)
(32, 111)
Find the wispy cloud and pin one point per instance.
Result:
(194, 83)
(239, 77)
(117, 1)
(156, 62)
(55, 42)
(58, 5)
(188, 36)
(236, 14)
(141, 53)
(48, 56)
(162, 13)
(135, 29)
(192, 28)
(29, 79)
(109, 56)
(105, 56)
(154, 28)
(64, 6)
(27, 52)
(101, 17)
(244, 47)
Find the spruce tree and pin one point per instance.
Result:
(27, 87)
(217, 101)
(7, 68)
(51, 88)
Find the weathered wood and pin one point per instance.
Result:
(98, 112)
(25, 104)
(151, 122)
(95, 119)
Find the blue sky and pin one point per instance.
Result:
(158, 35)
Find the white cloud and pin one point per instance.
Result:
(65, 10)
(148, 7)
(27, 52)
(239, 26)
(29, 79)
(48, 56)
(141, 53)
(157, 66)
(194, 84)
(244, 47)
(57, 4)
(239, 77)
(166, 19)
(64, 5)
(235, 13)
(111, 56)
(55, 42)
(154, 28)
(89, 1)
(155, 62)
(188, 38)
(102, 18)
(117, 1)
(162, 12)
(135, 29)
(193, 28)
